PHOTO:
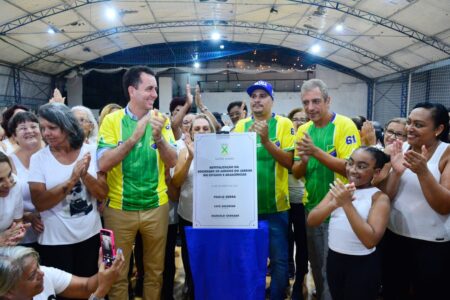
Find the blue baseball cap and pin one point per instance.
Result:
(261, 85)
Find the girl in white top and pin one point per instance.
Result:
(64, 184)
(416, 252)
(183, 178)
(359, 216)
(24, 127)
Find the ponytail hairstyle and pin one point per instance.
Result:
(380, 157)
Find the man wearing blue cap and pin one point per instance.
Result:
(274, 150)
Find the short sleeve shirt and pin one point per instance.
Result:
(273, 193)
(138, 181)
(55, 282)
(339, 138)
(11, 206)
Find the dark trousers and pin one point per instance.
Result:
(185, 257)
(414, 269)
(79, 259)
(169, 263)
(353, 277)
(137, 258)
(297, 235)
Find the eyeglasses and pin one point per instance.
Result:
(397, 135)
(25, 128)
(83, 120)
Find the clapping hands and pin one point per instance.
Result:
(262, 129)
(342, 193)
(81, 167)
(14, 234)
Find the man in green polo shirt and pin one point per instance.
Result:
(135, 146)
(323, 145)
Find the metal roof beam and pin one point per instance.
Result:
(260, 26)
(39, 15)
(431, 41)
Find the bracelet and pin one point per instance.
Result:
(203, 109)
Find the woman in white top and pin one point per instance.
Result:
(12, 230)
(9, 145)
(183, 178)
(416, 253)
(88, 123)
(22, 277)
(359, 216)
(64, 184)
(24, 127)
(395, 129)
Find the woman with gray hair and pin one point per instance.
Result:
(21, 277)
(63, 184)
(87, 122)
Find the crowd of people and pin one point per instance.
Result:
(369, 211)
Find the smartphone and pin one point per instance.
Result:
(108, 246)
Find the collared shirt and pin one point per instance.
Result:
(339, 138)
(129, 113)
(273, 193)
(138, 181)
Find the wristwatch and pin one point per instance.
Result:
(93, 297)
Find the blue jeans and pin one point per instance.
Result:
(278, 252)
(317, 238)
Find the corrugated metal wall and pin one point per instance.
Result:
(35, 89)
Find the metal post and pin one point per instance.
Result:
(404, 96)
(17, 90)
(370, 92)
(427, 86)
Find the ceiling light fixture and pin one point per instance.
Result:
(215, 36)
(222, 46)
(196, 65)
(111, 13)
(315, 48)
(339, 27)
(51, 30)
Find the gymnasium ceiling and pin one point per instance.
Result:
(372, 37)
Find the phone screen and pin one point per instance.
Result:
(108, 248)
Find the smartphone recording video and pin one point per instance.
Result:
(108, 247)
